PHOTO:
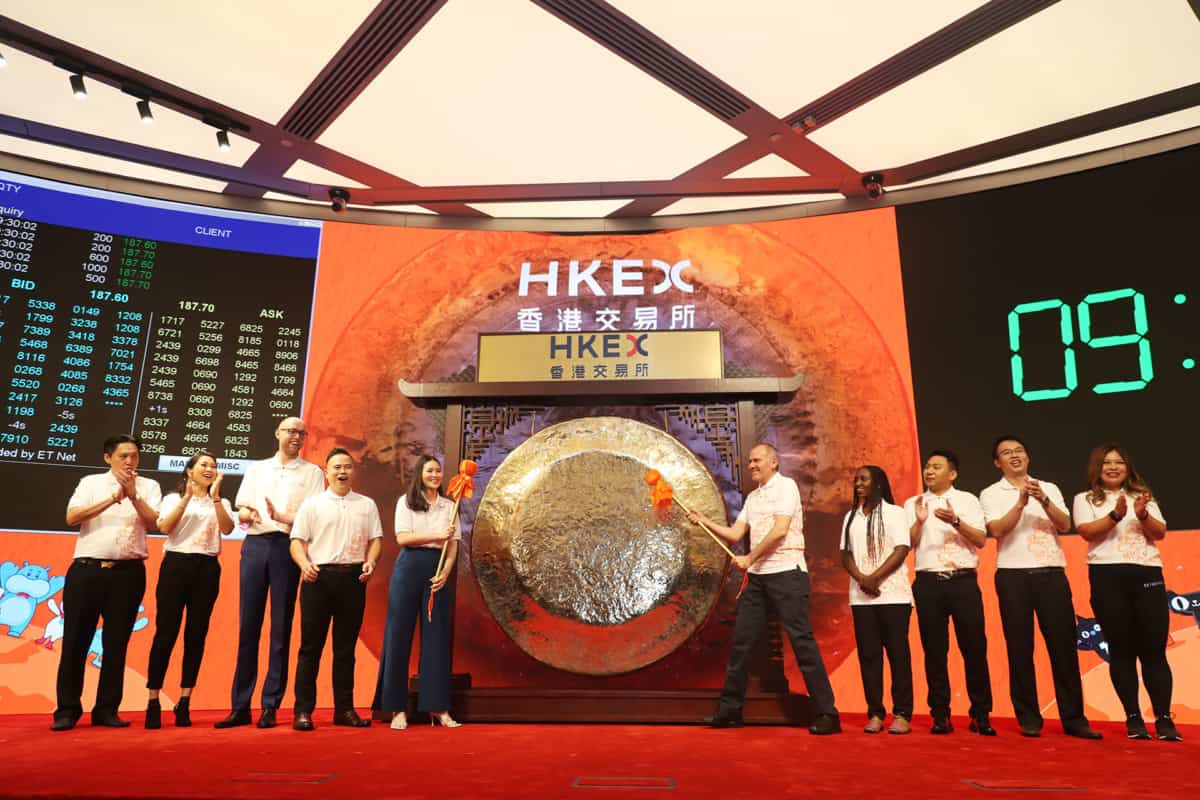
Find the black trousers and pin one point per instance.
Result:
(1130, 603)
(94, 592)
(958, 599)
(186, 582)
(337, 595)
(266, 567)
(788, 593)
(880, 628)
(1046, 594)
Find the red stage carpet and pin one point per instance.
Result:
(584, 761)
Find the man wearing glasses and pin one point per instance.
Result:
(1026, 516)
(267, 501)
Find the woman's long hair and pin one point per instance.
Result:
(1134, 483)
(881, 490)
(195, 459)
(416, 487)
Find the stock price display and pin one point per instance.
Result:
(188, 329)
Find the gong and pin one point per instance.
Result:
(573, 562)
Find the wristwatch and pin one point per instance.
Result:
(956, 523)
(1114, 516)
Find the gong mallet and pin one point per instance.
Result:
(460, 486)
(661, 497)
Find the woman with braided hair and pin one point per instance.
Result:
(875, 543)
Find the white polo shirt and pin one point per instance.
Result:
(288, 485)
(779, 496)
(197, 530)
(117, 532)
(435, 520)
(1125, 543)
(942, 548)
(895, 588)
(1033, 542)
(337, 529)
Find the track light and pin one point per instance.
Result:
(78, 88)
(338, 198)
(3, 61)
(223, 141)
(143, 107)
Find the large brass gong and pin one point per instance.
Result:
(571, 559)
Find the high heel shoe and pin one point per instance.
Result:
(444, 719)
(399, 721)
(183, 712)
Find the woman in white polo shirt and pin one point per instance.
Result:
(193, 519)
(1122, 524)
(875, 542)
(423, 524)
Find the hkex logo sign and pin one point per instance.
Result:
(597, 345)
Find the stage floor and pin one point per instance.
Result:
(585, 761)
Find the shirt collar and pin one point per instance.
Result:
(277, 462)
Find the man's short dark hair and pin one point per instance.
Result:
(338, 451)
(949, 455)
(113, 442)
(1008, 437)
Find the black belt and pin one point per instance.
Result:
(341, 567)
(268, 535)
(108, 563)
(177, 554)
(421, 549)
(1031, 570)
(947, 575)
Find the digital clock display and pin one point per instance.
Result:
(186, 328)
(1062, 311)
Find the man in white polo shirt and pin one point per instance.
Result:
(336, 541)
(1031, 580)
(777, 576)
(947, 530)
(267, 502)
(106, 580)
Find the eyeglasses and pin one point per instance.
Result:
(294, 432)
(1016, 451)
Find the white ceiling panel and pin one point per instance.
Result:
(1127, 134)
(38, 91)
(783, 55)
(254, 55)
(546, 209)
(701, 205)
(769, 166)
(311, 173)
(1075, 57)
(112, 166)
(499, 91)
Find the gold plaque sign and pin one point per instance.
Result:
(571, 559)
(600, 356)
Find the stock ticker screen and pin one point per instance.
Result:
(185, 327)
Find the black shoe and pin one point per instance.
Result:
(302, 722)
(982, 726)
(153, 715)
(1081, 730)
(235, 719)
(1135, 728)
(350, 718)
(720, 720)
(108, 719)
(941, 725)
(1031, 731)
(183, 713)
(267, 718)
(825, 724)
(1164, 726)
(63, 723)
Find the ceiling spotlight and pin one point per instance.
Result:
(338, 198)
(223, 141)
(143, 107)
(3, 62)
(78, 88)
(873, 183)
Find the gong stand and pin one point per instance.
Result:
(731, 414)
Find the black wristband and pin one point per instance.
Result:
(1113, 516)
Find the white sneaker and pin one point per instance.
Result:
(399, 721)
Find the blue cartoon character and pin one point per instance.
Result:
(24, 587)
(97, 646)
(1186, 604)
(1089, 636)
